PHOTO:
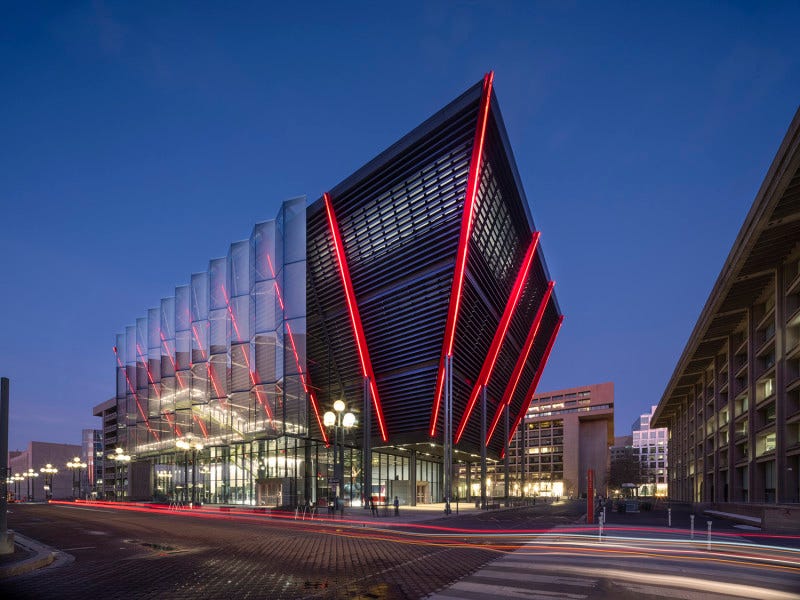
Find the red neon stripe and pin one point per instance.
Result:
(355, 317)
(199, 343)
(532, 390)
(463, 241)
(172, 360)
(230, 310)
(202, 426)
(211, 373)
(147, 368)
(256, 381)
(304, 379)
(135, 397)
(173, 424)
(511, 387)
(499, 335)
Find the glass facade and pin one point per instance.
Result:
(222, 363)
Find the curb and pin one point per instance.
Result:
(44, 556)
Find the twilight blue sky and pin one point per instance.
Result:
(140, 139)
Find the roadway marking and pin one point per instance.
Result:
(81, 548)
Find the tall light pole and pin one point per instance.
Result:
(48, 470)
(30, 474)
(339, 420)
(120, 458)
(17, 479)
(189, 447)
(75, 465)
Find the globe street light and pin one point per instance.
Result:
(189, 447)
(30, 474)
(339, 421)
(75, 465)
(120, 458)
(48, 470)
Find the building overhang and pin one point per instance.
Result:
(771, 231)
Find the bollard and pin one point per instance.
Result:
(709, 535)
(691, 525)
(600, 530)
(669, 517)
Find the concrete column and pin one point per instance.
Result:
(6, 541)
(483, 447)
(731, 416)
(753, 495)
(782, 491)
(412, 475)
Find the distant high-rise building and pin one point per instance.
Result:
(563, 435)
(650, 446)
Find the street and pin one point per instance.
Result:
(541, 551)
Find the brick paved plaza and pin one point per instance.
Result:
(133, 554)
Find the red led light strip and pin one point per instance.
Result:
(254, 378)
(199, 343)
(171, 360)
(202, 426)
(473, 180)
(171, 422)
(212, 375)
(532, 390)
(513, 382)
(147, 368)
(304, 378)
(355, 317)
(500, 334)
(135, 397)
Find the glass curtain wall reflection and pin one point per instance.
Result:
(223, 362)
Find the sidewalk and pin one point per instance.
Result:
(28, 556)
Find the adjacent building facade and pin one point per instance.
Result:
(36, 485)
(563, 435)
(732, 406)
(415, 291)
(651, 448)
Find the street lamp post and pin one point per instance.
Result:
(120, 458)
(17, 479)
(190, 448)
(75, 465)
(339, 421)
(30, 474)
(48, 470)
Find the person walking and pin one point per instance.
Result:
(396, 506)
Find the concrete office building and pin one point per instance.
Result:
(732, 405)
(563, 435)
(650, 447)
(414, 289)
(106, 485)
(32, 460)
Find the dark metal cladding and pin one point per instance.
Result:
(400, 218)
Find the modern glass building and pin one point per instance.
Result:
(415, 292)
